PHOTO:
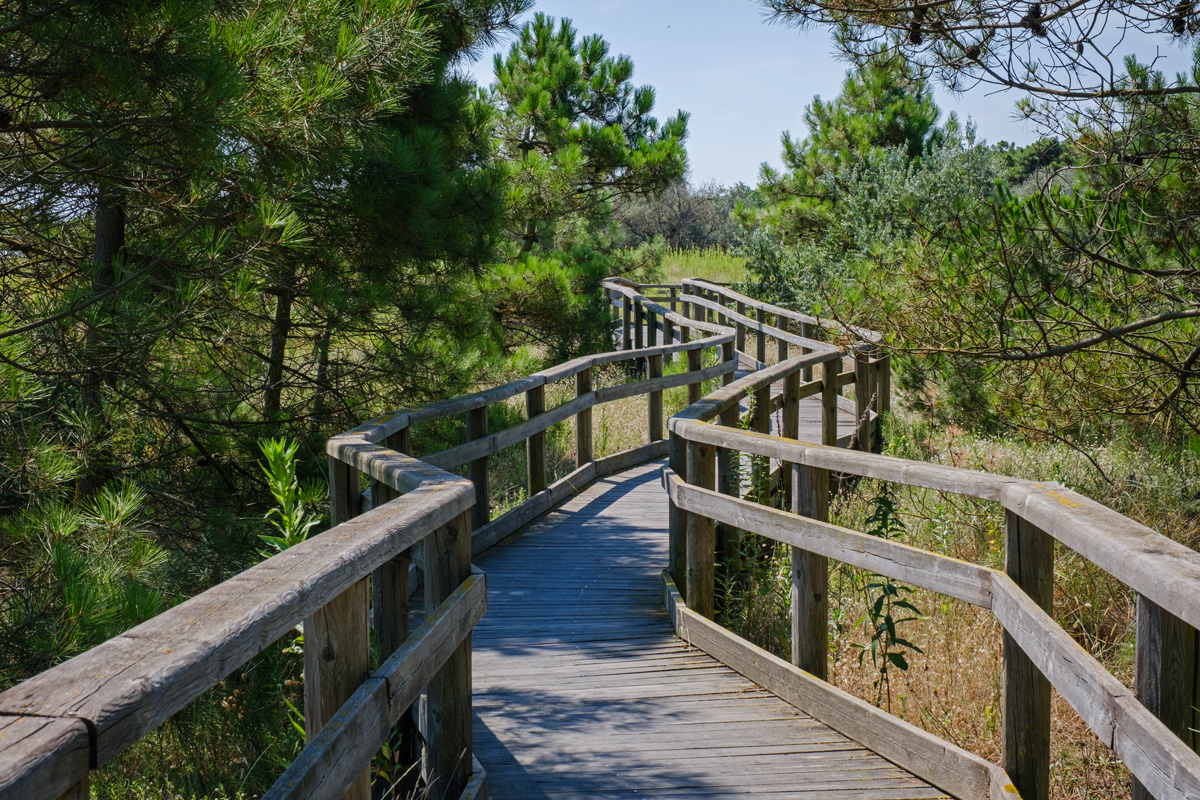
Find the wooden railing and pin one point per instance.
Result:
(58, 726)
(1144, 731)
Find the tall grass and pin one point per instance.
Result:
(712, 264)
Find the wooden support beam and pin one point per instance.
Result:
(741, 328)
(337, 652)
(807, 331)
(656, 400)
(583, 420)
(639, 326)
(447, 764)
(1165, 674)
(862, 400)
(676, 517)
(669, 336)
(626, 323)
(1029, 561)
(477, 470)
(781, 322)
(701, 533)
(694, 364)
(728, 483)
(535, 445)
(810, 576)
(760, 350)
(728, 354)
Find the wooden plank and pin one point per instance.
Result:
(43, 757)
(345, 747)
(950, 768)
(1029, 561)
(959, 579)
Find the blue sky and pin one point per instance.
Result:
(743, 80)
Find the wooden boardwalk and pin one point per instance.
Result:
(582, 690)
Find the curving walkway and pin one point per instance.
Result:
(582, 690)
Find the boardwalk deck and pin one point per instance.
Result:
(581, 689)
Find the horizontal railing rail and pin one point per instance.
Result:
(1037, 654)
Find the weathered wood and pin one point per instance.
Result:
(760, 343)
(741, 327)
(622, 391)
(583, 419)
(43, 757)
(447, 725)
(781, 322)
(535, 445)
(347, 744)
(477, 471)
(639, 326)
(701, 532)
(337, 655)
(810, 577)
(626, 323)
(863, 400)
(651, 328)
(959, 579)
(729, 356)
(695, 388)
(677, 519)
(1029, 561)
(655, 412)
(1159, 760)
(948, 767)
(669, 337)
(806, 332)
(1165, 673)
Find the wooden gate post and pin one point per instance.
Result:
(583, 420)
(477, 470)
(656, 400)
(701, 533)
(447, 765)
(535, 445)
(1166, 674)
(337, 651)
(1029, 561)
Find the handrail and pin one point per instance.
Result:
(1037, 652)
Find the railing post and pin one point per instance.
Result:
(728, 480)
(694, 362)
(830, 370)
(583, 420)
(1029, 561)
(1166, 674)
(477, 470)
(862, 398)
(626, 322)
(656, 400)
(760, 349)
(639, 326)
(883, 397)
(337, 650)
(673, 303)
(810, 576)
(728, 354)
(807, 333)
(741, 327)
(701, 533)
(447, 730)
(651, 328)
(782, 323)
(669, 335)
(677, 518)
(389, 615)
(535, 445)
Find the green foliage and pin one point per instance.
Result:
(887, 610)
(577, 136)
(293, 516)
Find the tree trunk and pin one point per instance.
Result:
(280, 329)
(318, 407)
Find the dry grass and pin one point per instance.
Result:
(952, 689)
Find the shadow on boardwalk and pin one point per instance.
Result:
(582, 689)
